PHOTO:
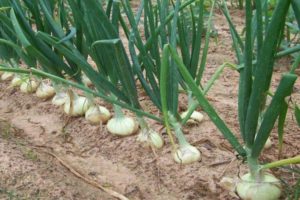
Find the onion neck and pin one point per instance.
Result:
(190, 98)
(255, 168)
(192, 105)
(178, 132)
(253, 165)
(58, 88)
(143, 124)
(90, 98)
(118, 112)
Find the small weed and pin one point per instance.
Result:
(30, 154)
(11, 195)
(65, 135)
(292, 190)
(5, 129)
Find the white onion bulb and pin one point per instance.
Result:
(122, 126)
(45, 91)
(195, 118)
(151, 137)
(16, 81)
(268, 143)
(7, 76)
(187, 154)
(227, 184)
(59, 99)
(76, 105)
(29, 86)
(97, 114)
(268, 188)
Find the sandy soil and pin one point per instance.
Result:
(41, 149)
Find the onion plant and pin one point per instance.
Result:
(113, 76)
(291, 33)
(158, 20)
(256, 118)
(296, 9)
(7, 38)
(162, 24)
(60, 48)
(37, 42)
(56, 38)
(106, 49)
(108, 52)
(20, 36)
(59, 52)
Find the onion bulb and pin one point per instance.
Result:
(16, 81)
(268, 143)
(59, 99)
(97, 114)
(45, 91)
(76, 105)
(122, 126)
(7, 76)
(267, 188)
(29, 86)
(227, 184)
(186, 154)
(195, 118)
(151, 137)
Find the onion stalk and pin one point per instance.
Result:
(269, 142)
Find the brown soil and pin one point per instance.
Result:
(41, 149)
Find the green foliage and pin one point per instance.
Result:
(206, 106)
(297, 114)
(296, 9)
(255, 77)
(56, 38)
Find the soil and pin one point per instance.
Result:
(46, 155)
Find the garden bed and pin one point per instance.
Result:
(42, 150)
